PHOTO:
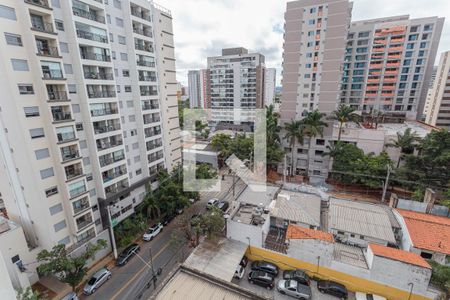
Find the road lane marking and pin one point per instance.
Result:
(138, 273)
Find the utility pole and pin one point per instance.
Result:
(386, 183)
(284, 169)
(111, 232)
(153, 270)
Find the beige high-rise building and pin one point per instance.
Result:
(439, 104)
(314, 45)
(88, 113)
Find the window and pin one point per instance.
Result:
(60, 225)
(46, 173)
(113, 54)
(410, 46)
(125, 73)
(51, 191)
(92, 192)
(135, 146)
(132, 118)
(408, 54)
(138, 171)
(64, 241)
(137, 159)
(414, 29)
(26, 89)
(56, 3)
(428, 27)
(59, 25)
(124, 56)
(31, 111)
(77, 188)
(7, 12)
(83, 144)
(312, 22)
(42, 153)
(364, 34)
(111, 37)
(68, 69)
(13, 39)
(19, 64)
(426, 255)
(425, 36)
(72, 88)
(122, 39)
(64, 47)
(108, 18)
(128, 88)
(423, 45)
(117, 4)
(406, 62)
(405, 70)
(413, 37)
(419, 61)
(75, 108)
(55, 209)
(37, 133)
(86, 161)
(79, 126)
(119, 22)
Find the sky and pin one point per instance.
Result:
(203, 27)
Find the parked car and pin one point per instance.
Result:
(298, 275)
(332, 288)
(70, 296)
(239, 273)
(96, 281)
(223, 205)
(261, 278)
(167, 219)
(244, 261)
(127, 254)
(211, 203)
(364, 296)
(152, 232)
(294, 289)
(260, 265)
(179, 211)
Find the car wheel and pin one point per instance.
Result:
(252, 282)
(320, 290)
(93, 290)
(282, 292)
(151, 239)
(109, 277)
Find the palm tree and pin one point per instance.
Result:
(274, 151)
(405, 142)
(151, 206)
(313, 126)
(294, 134)
(344, 114)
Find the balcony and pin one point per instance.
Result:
(114, 173)
(69, 153)
(73, 171)
(378, 49)
(40, 3)
(140, 14)
(48, 51)
(106, 126)
(144, 63)
(77, 191)
(57, 96)
(144, 32)
(52, 74)
(65, 137)
(91, 15)
(152, 131)
(147, 78)
(109, 159)
(390, 79)
(148, 119)
(43, 27)
(149, 106)
(109, 142)
(80, 205)
(155, 156)
(92, 36)
(61, 114)
(104, 112)
(143, 47)
(99, 76)
(145, 92)
(84, 221)
(395, 49)
(95, 56)
(101, 94)
(153, 144)
(117, 187)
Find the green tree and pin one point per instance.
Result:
(344, 114)
(67, 268)
(405, 142)
(294, 134)
(151, 206)
(222, 143)
(28, 294)
(313, 126)
(213, 222)
(274, 151)
(440, 276)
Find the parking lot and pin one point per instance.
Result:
(274, 294)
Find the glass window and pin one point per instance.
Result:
(428, 27)
(26, 89)
(56, 209)
(37, 133)
(423, 45)
(46, 173)
(410, 46)
(7, 12)
(59, 25)
(60, 225)
(13, 39)
(408, 54)
(42, 153)
(19, 64)
(31, 111)
(413, 37)
(119, 22)
(406, 62)
(64, 47)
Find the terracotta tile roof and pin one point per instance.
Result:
(428, 232)
(399, 255)
(301, 233)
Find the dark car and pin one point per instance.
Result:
(223, 205)
(127, 254)
(244, 261)
(298, 275)
(265, 266)
(332, 288)
(167, 219)
(261, 278)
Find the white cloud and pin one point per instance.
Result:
(203, 27)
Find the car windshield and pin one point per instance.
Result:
(151, 230)
(92, 281)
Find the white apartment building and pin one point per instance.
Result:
(439, 104)
(426, 108)
(236, 81)
(197, 85)
(88, 115)
(388, 65)
(270, 77)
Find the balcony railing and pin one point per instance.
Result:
(151, 120)
(147, 78)
(58, 96)
(84, 204)
(102, 94)
(116, 188)
(59, 117)
(109, 144)
(64, 137)
(41, 3)
(78, 191)
(151, 146)
(43, 27)
(144, 63)
(100, 76)
(152, 158)
(111, 160)
(92, 36)
(48, 51)
(104, 129)
(112, 175)
(138, 14)
(143, 32)
(149, 93)
(70, 155)
(151, 133)
(149, 106)
(72, 173)
(103, 112)
(88, 15)
(53, 74)
(96, 56)
(141, 47)
(84, 224)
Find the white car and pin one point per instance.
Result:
(364, 296)
(211, 203)
(239, 273)
(152, 232)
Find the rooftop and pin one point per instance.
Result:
(250, 215)
(298, 207)
(399, 255)
(349, 255)
(361, 218)
(428, 232)
(261, 199)
(300, 233)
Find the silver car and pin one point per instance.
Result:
(294, 289)
(96, 281)
(70, 296)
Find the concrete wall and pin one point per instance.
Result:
(6, 286)
(240, 231)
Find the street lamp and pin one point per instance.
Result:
(111, 232)
(318, 264)
(411, 290)
(150, 266)
(249, 247)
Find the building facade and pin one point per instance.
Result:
(438, 113)
(89, 116)
(197, 88)
(235, 81)
(388, 65)
(270, 77)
